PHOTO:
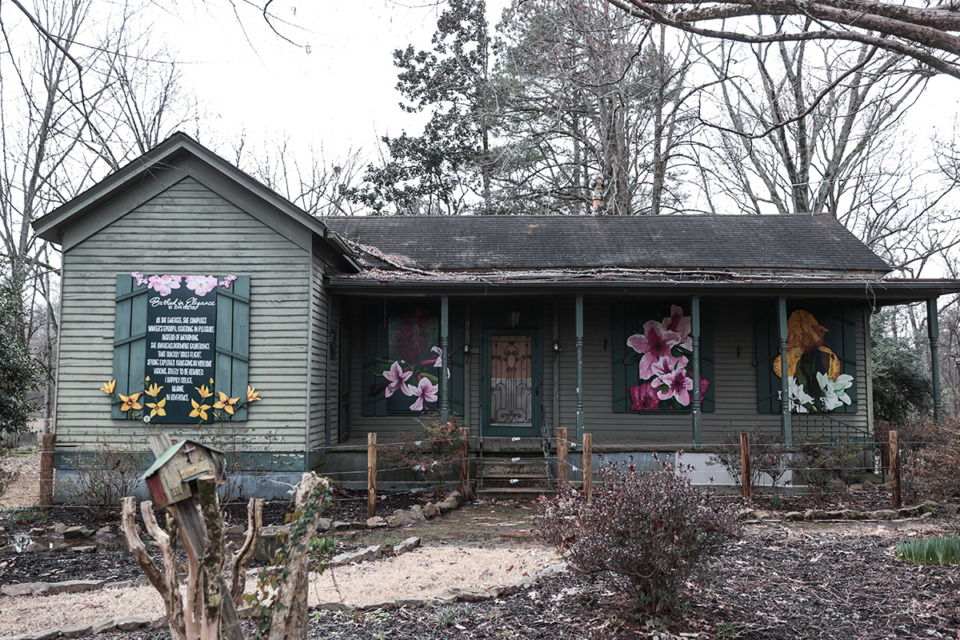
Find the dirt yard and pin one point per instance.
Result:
(781, 580)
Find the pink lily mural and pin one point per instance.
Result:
(662, 353)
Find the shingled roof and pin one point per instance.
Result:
(801, 243)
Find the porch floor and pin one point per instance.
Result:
(601, 444)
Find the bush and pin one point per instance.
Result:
(820, 463)
(768, 456)
(931, 458)
(20, 373)
(432, 451)
(651, 529)
(107, 473)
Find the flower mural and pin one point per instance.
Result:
(409, 376)
(200, 285)
(224, 408)
(662, 352)
(813, 368)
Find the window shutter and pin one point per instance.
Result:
(129, 338)
(373, 403)
(707, 402)
(618, 346)
(768, 348)
(457, 360)
(233, 341)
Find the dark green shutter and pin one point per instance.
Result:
(233, 341)
(768, 348)
(457, 360)
(129, 338)
(618, 346)
(373, 402)
(707, 402)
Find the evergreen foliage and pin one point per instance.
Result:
(20, 373)
(436, 172)
(901, 378)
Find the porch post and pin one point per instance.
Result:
(785, 423)
(695, 404)
(444, 351)
(933, 332)
(579, 313)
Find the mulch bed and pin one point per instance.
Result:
(803, 581)
(780, 581)
(61, 564)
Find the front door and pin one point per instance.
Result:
(511, 383)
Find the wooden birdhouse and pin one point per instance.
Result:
(170, 477)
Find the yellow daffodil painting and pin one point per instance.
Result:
(169, 407)
(225, 402)
(130, 402)
(813, 369)
(199, 410)
(157, 408)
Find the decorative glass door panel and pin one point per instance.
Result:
(512, 385)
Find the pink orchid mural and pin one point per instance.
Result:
(662, 353)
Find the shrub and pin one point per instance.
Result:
(820, 463)
(433, 450)
(768, 456)
(931, 458)
(107, 473)
(942, 550)
(8, 473)
(651, 529)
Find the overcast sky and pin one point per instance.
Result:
(339, 92)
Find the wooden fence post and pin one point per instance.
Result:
(745, 471)
(47, 447)
(563, 471)
(371, 475)
(895, 468)
(588, 466)
(465, 461)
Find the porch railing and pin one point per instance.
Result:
(545, 442)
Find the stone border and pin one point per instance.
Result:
(117, 624)
(923, 511)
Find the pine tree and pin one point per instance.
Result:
(446, 168)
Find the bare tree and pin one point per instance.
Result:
(311, 181)
(586, 93)
(82, 96)
(925, 33)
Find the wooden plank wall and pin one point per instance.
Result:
(186, 229)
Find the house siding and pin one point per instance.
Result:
(321, 387)
(186, 229)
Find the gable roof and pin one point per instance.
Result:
(799, 243)
(173, 154)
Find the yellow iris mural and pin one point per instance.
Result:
(813, 369)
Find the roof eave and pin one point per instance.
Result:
(50, 227)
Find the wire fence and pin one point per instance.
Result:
(813, 467)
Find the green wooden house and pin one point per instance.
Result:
(198, 301)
